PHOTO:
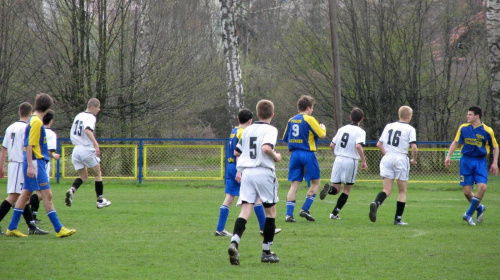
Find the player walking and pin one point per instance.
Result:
(476, 139)
(258, 180)
(348, 148)
(301, 134)
(13, 145)
(394, 142)
(86, 152)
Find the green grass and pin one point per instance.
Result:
(164, 230)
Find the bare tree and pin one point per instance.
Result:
(493, 27)
(231, 56)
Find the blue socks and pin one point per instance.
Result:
(223, 214)
(54, 220)
(474, 203)
(308, 203)
(261, 215)
(290, 206)
(16, 216)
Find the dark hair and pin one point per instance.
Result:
(265, 109)
(357, 115)
(244, 115)
(48, 117)
(43, 102)
(477, 110)
(304, 102)
(25, 109)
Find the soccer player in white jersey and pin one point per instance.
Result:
(86, 152)
(13, 145)
(394, 143)
(347, 146)
(48, 121)
(256, 158)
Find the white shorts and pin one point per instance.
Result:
(84, 156)
(258, 182)
(395, 167)
(344, 170)
(15, 179)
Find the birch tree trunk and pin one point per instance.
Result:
(493, 31)
(232, 59)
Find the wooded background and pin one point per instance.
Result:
(165, 68)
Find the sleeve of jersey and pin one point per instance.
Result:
(239, 132)
(270, 137)
(239, 146)
(361, 138)
(413, 136)
(285, 135)
(34, 133)
(459, 134)
(335, 138)
(492, 135)
(90, 123)
(382, 136)
(313, 123)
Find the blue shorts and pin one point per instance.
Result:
(232, 187)
(303, 165)
(40, 181)
(473, 170)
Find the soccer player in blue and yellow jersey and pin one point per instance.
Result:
(233, 178)
(301, 134)
(477, 140)
(35, 175)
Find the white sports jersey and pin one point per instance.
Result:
(14, 141)
(397, 137)
(346, 139)
(82, 121)
(250, 146)
(51, 139)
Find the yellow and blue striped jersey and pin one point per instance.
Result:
(234, 138)
(35, 136)
(302, 133)
(476, 141)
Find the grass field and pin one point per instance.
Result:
(164, 230)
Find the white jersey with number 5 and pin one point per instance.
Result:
(250, 146)
(346, 139)
(82, 121)
(14, 141)
(397, 137)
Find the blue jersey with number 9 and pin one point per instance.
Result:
(302, 133)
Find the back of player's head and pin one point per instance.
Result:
(244, 115)
(405, 112)
(93, 102)
(25, 109)
(357, 115)
(477, 110)
(49, 116)
(265, 109)
(43, 102)
(304, 102)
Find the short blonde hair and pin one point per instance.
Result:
(93, 102)
(265, 109)
(405, 112)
